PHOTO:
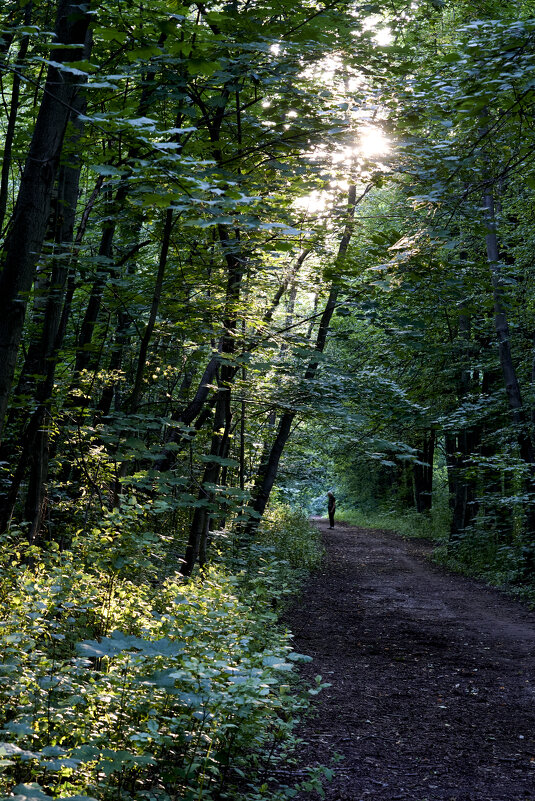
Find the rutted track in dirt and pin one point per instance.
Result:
(433, 677)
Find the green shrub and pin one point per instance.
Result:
(110, 686)
(289, 532)
(409, 524)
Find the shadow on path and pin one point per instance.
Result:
(433, 676)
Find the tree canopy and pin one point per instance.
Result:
(225, 222)
(250, 251)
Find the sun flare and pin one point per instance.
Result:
(370, 145)
(373, 142)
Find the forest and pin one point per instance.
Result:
(250, 251)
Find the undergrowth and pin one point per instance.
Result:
(287, 534)
(408, 524)
(478, 557)
(433, 525)
(117, 687)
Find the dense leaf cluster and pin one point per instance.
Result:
(164, 690)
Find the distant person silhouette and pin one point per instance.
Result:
(331, 507)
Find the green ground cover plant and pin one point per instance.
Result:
(119, 687)
(408, 523)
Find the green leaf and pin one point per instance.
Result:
(110, 35)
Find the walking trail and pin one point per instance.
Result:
(432, 676)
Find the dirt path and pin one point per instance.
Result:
(433, 677)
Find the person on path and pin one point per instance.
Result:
(331, 508)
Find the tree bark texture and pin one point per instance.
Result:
(43, 351)
(28, 227)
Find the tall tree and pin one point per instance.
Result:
(28, 226)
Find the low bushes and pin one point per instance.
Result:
(174, 690)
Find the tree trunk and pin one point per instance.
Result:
(30, 218)
(119, 344)
(46, 357)
(267, 471)
(134, 399)
(11, 121)
(463, 443)
(38, 371)
(465, 504)
(83, 355)
(512, 388)
(105, 269)
(501, 326)
(43, 351)
(195, 408)
(423, 474)
(200, 524)
(450, 447)
(532, 380)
